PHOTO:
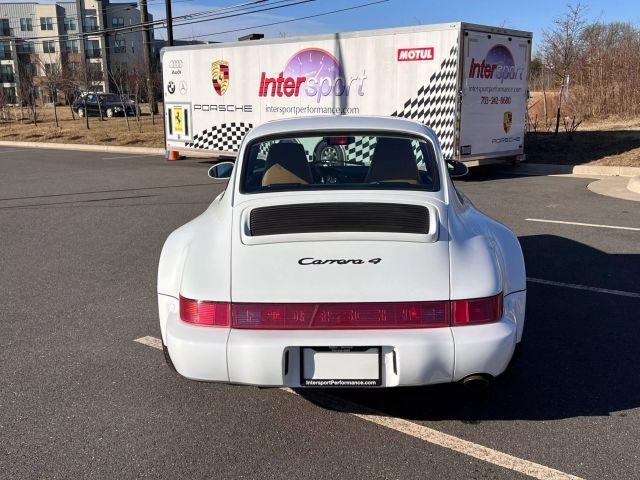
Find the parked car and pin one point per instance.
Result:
(110, 104)
(369, 271)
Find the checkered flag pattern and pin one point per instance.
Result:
(225, 137)
(263, 150)
(435, 103)
(360, 150)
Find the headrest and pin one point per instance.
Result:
(393, 160)
(287, 163)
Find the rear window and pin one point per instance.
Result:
(340, 162)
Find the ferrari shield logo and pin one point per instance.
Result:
(220, 76)
(507, 119)
(178, 120)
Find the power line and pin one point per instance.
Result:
(134, 28)
(331, 12)
(139, 26)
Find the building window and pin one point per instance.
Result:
(90, 24)
(5, 51)
(6, 74)
(26, 24)
(46, 23)
(70, 24)
(72, 46)
(26, 47)
(120, 46)
(73, 66)
(51, 68)
(49, 46)
(93, 49)
(9, 94)
(28, 70)
(5, 31)
(117, 22)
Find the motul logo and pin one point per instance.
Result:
(415, 54)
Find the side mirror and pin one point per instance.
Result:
(221, 170)
(456, 168)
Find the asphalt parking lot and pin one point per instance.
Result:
(80, 398)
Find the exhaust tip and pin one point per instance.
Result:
(477, 383)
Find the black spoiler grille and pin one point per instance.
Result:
(339, 217)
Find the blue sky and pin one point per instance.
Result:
(531, 15)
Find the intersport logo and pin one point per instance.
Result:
(415, 54)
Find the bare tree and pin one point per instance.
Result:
(561, 48)
(51, 80)
(118, 73)
(27, 90)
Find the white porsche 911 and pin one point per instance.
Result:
(341, 254)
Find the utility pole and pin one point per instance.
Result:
(83, 54)
(169, 23)
(146, 51)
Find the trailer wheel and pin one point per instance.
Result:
(328, 154)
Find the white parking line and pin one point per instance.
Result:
(442, 439)
(133, 156)
(150, 342)
(427, 434)
(621, 293)
(594, 225)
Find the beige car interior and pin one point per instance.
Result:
(287, 163)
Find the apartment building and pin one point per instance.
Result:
(37, 38)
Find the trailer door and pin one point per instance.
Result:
(494, 95)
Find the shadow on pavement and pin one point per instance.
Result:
(579, 354)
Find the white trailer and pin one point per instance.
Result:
(468, 82)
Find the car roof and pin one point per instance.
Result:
(341, 122)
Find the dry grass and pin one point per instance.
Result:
(110, 131)
(611, 141)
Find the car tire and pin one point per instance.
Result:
(81, 112)
(328, 154)
(167, 358)
(110, 112)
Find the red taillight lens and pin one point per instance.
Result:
(340, 315)
(335, 316)
(211, 314)
(477, 310)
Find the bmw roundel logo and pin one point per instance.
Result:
(171, 87)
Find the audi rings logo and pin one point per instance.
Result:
(175, 66)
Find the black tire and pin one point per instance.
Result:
(328, 154)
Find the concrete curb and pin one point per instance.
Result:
(86, 148)
(634, 184)
(606, 170)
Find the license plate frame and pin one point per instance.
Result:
(341, 382)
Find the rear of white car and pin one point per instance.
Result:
(323, 281)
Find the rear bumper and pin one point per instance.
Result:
(272, 357)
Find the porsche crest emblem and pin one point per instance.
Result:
(220, 76)
(507, 120)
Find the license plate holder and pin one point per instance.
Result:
(341, 366)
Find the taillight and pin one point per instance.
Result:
(335, 316)
(320, 316)
(198, 312)
(476, 310)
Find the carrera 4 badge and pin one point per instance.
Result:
(337, 261)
